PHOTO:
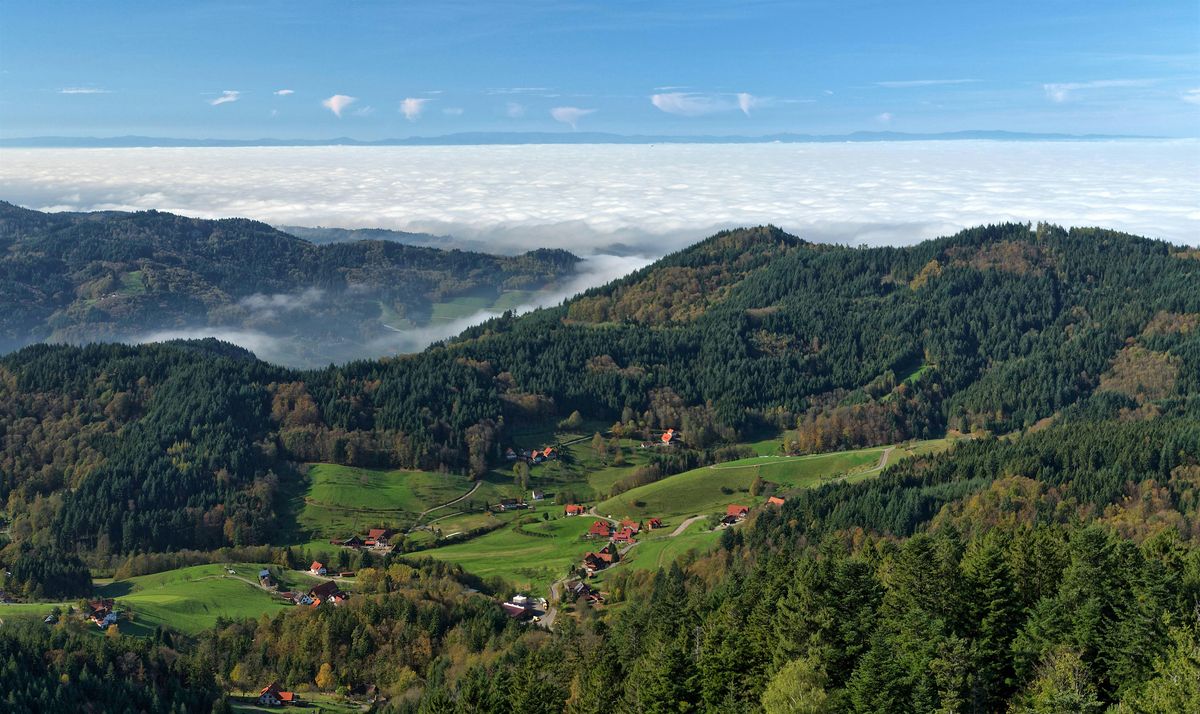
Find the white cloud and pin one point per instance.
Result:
(412, 107)
(690, 104)
(514, 110)
(746, 102)
(337, 103)
(906, 83)
(1191, 96)
(284, 92)
(83, 90)
(570, 115)
(453, 111)
(693, 104)
(1063, 91)
(229, 95)
(884, 118)
(589, 199)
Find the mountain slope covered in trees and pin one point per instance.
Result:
(78, 277)
(998, 328)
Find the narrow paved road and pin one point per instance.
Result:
(447, 503)
(684, 526)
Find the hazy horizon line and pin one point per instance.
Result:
(474, 138)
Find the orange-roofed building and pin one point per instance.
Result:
(575, 509)
(775, 501)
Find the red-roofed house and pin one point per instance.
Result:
(735, 513)
(316, 568)
(631, 525)
(600, 529)
(775, 501)
(670, 436)
(381, 536)
(575, 509)
(625, 535)
(654, 523)
(272, 696)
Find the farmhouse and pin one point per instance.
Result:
(510, 504)
(654, 523)
(631, 525)
(670, 436)
(574, 509)
(599, 560)
(625, 535)
(327, 591)
(381, 536)
(317, 568)
(775, 501)
(265, 579)
(735, 513)
(600, 529)
(272, 696)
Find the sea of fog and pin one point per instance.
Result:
(620, 206)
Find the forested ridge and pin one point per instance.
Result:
(78, 277)
(997, 329)
(1047, 564)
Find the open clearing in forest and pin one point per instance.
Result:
(343, 500)
(191, 599)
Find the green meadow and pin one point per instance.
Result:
(191, 599)
(525, 561)
(343, 500)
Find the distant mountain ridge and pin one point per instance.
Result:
(79, 277)
(577, 137)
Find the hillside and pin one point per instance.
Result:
(78, 277)
(998, 329)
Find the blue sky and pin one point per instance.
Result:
(254, 69)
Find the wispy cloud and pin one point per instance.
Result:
(337, 103)
(83, 90)
(412, 107)
(514, 110)
(690, 104)
(229, 95)
(365, 111)
(1191, 96)
(884, 118)
(570, 115)
(1063, 91)
(453, 111)
(746, 102)
(284, 92)
(517, 90)
(905, 83)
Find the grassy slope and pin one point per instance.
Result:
(523, 560)
(342, 500)
(191, 599)
(704, 490)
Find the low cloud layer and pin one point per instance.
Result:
(637, 199)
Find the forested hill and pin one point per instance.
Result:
(77, 277)
(995, 329)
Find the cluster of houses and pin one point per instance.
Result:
(622, 533)
(531, 456)
(272, 696)
(376, 539)
(510, 504)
